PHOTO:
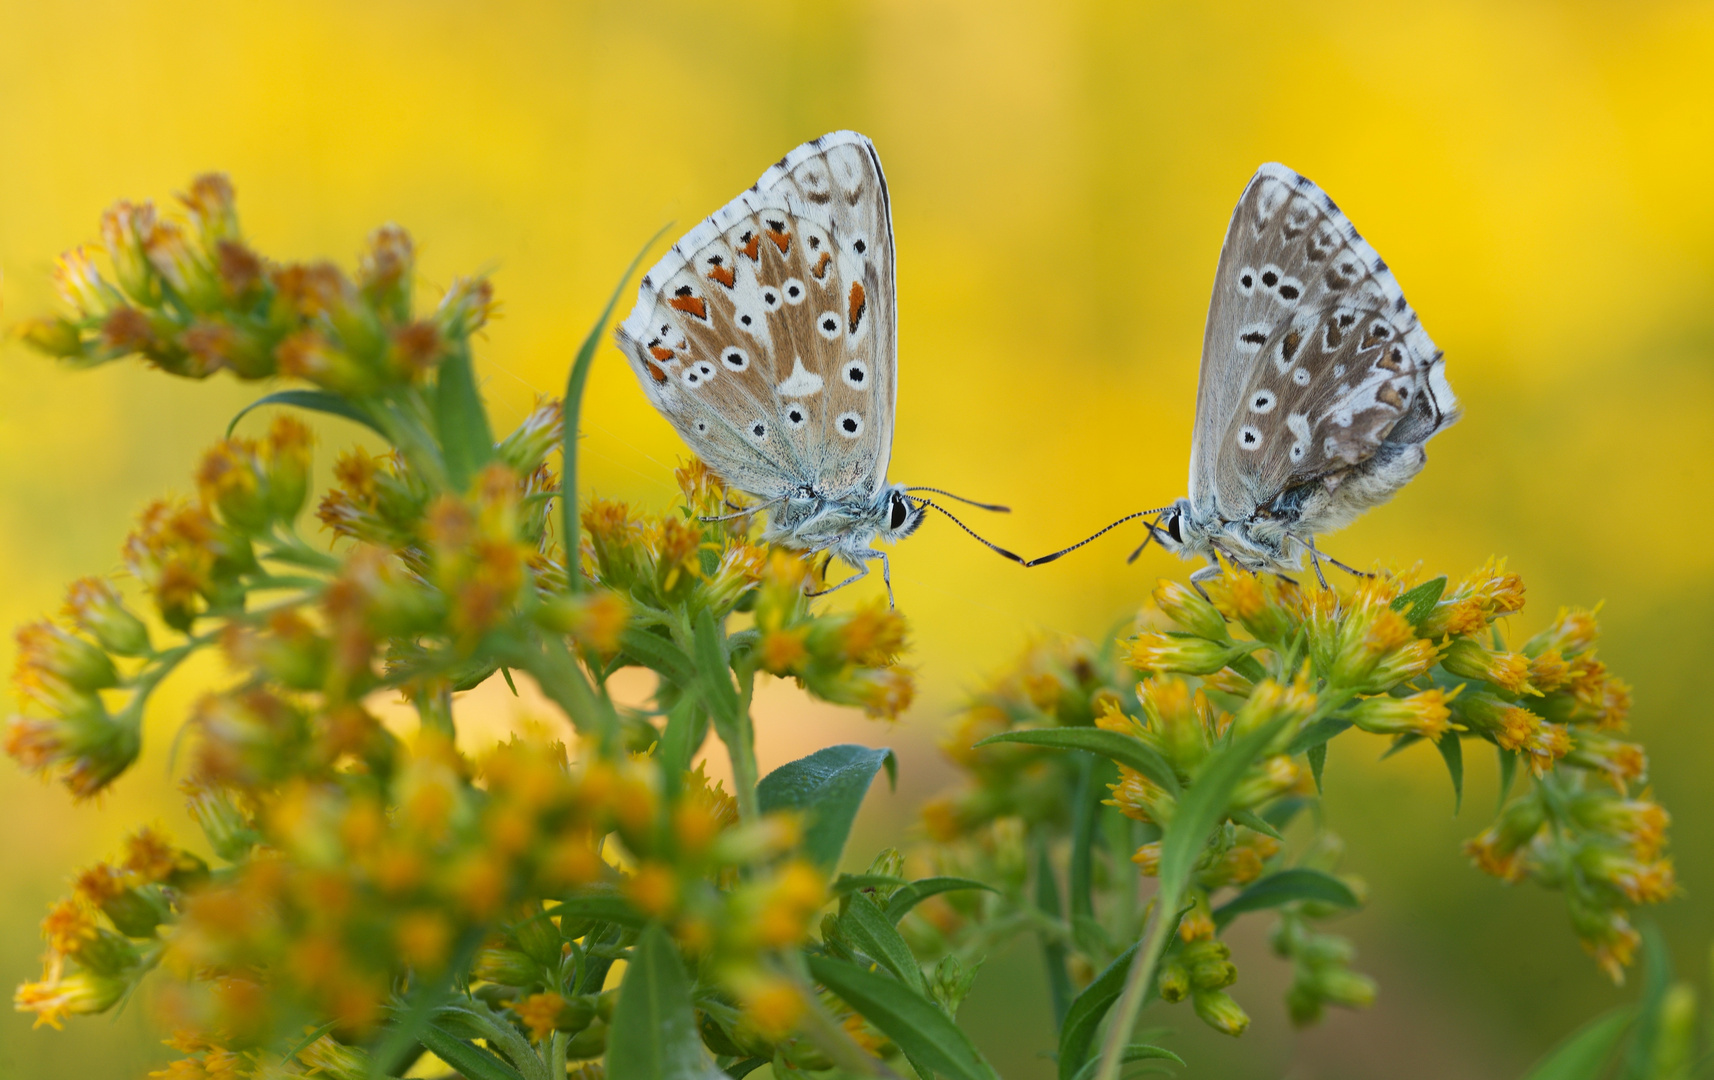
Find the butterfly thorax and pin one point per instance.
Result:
(1262, 541)
(844, 525)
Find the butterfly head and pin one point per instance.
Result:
(903, 513)
(1172, 529)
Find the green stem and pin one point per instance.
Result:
(1137, 983)
(743, 750)
(573, 408)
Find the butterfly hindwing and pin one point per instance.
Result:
(780, 366)
(1312, 358)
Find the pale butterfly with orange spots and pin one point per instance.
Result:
(1318, 388)
(767, 336)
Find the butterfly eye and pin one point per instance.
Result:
(828, 323)
(856, 374)
(850, 425)
(794, 291)
(735, 358)
(900, 511)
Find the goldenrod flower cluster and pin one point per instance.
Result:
(359, 868)
(1394, 657)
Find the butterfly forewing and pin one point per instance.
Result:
(1312, 357)
(767, 334)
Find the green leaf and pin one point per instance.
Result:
(850, 883)
(1401, 743)
(1508, 772)
(1077, 1033)
(659, 654)
(469, 1060)
(1125, 750)
(1252, 820)
(1452, 752)
(1584, 1055)
(1054, 952)
(315, 401)
(1134, 1052)
(1285, 887)
(740, 1069)
(654, 1034)
(607, 908)
(828, 786)
(920, 1028)
(465, 438)
(1081, 872)
(1420, 600)
(870, 930)
(1639, 1063)
(716, 676)
(1203, 806)
(679, 742)
(575, 380)
(1284, 811)
(1316, 734)
(923, 888)
(1317, 756)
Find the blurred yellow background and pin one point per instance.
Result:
(1537, 174)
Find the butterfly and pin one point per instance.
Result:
(768, 337)
(1318, 388)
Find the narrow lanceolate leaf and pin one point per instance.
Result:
(574, 384)
(1508, 773)
(870, 930)
(469, 1060)
(1585, 1054)
(315, 401)
(1077, 1034)
(654, 1036)
(828, 786)
(1054, 951)
(1452, 752)
(923, 888)
(1418, 602)
(716, 676)
(1252, 820)
(850, 883)
(1285, 887)
(1135, 1052)
(465, 438)
(1081, 872)
(920, 1028)
(1317, 757)
(1125, 750)
(613, 909)
(658, 653)
(1316, 734)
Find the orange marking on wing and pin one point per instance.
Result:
(693, 305)
(655, 371)
(661, 354)
(752, 248)
(781, 240)
(724, 275)
(855, 305)
(820, 270)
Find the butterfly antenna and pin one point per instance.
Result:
(996, 507)
(1154, 527)
(996, 548)
(1103, 532)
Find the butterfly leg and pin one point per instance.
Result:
(862, 572)
(1207, 573)
(1353, 571)
(1315, 560)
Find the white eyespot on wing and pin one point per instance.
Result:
(702, 427)
(793, 290)
(1300, 376)
(1338, 370)
(849, 424)
(1249, 437)
(1245, 282)
(1288, 291)
(856, 374)
(1263, 401)
(734, 358)
(758, 430)
(827, 325)
(770, 298)
(801, 382)
(796, 415)
(1298, 424)
(698, 373)
(1251, 338)
(1342, 416)
(1269, 277)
